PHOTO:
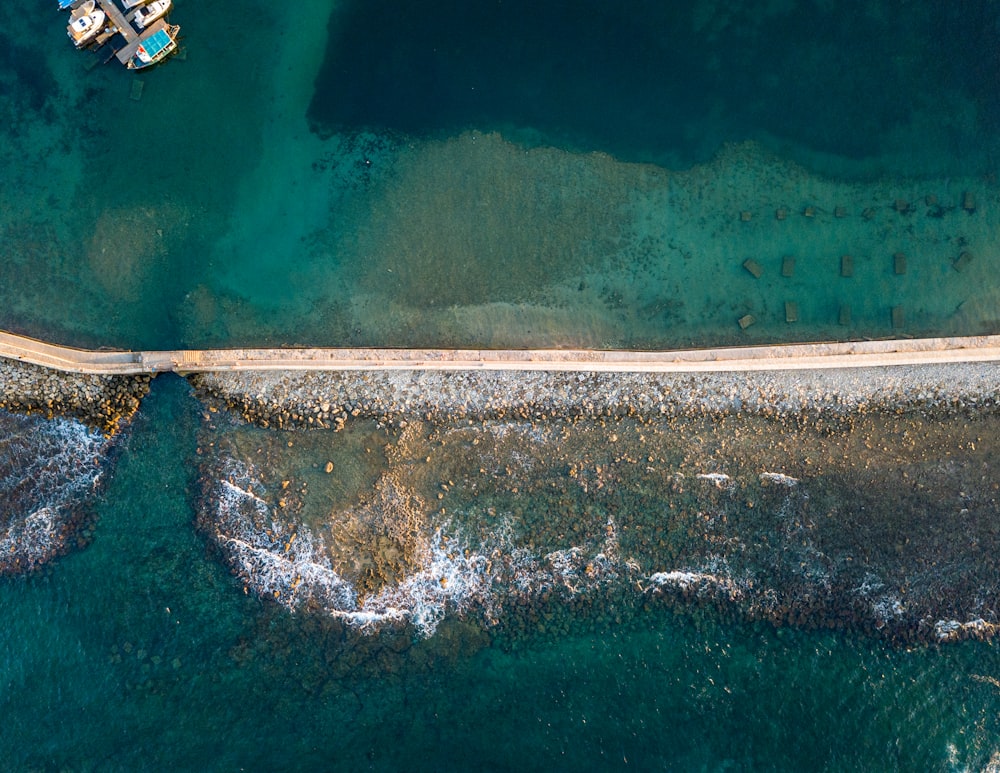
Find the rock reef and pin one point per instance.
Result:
(861, 500)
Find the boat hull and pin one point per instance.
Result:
(155, 49)
(84, 29)
(157, 10)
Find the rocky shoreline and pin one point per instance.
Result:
(331, 398)
(99, 401)
(813, 499)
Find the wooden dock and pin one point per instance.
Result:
(854, 354)
(123, 24)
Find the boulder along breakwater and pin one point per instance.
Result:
(324, 399)
(103, 402)
(860, 499)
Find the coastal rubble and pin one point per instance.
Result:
(58, 437)
(332, 398)
(102, 402)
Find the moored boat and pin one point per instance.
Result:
(150, 13)
(85, 22)
(140, 34)
(156, 47)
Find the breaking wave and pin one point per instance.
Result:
(291, 565)
(49, 469)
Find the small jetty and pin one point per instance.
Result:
(137, 31)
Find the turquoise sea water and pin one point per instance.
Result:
(490, 174)
(362, 181)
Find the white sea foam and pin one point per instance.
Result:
(31, 538)
(50, 467)
(887, 608)
(778, 478)
(296, 571)
(682, 579)
(719, 479)
(56, 458)
(453, 579)
(884, 606)
(293, 568)
(948, 630)
(714, 575)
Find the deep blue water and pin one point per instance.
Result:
(647, 80)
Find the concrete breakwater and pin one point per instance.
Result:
(316, 387)
(97, 400)
(849, 354)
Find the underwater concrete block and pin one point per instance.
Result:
(746, 321)
(791, 311)
(899, 263)
(753, 267)
(136, 93)
(846, 265)
(787, 266)
(962, 261)
(845, 315)
(898, 317)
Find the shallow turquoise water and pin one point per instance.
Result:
(577, 203)
(327, 194)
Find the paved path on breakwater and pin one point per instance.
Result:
(782, 357)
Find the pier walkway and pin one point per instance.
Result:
(781, 357)
(133, 39)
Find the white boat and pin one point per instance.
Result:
(84, 23)
(151, 13)
(156, 46)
